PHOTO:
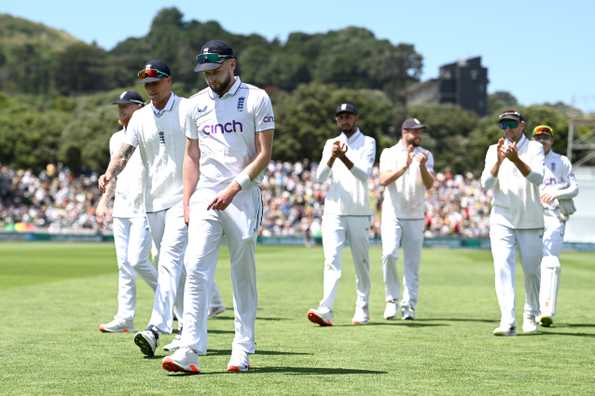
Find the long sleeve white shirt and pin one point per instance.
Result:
(516, 201)
(348, 193)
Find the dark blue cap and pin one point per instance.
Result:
(129, 97)
(346, 107)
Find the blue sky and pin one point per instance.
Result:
(541, 51)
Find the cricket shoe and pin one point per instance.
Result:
(361, 316)
(529, 324)
(546, 320)
(390, 311)
(238, 363)
(320, 318)
(174, 345)
(116, 326)
(407, 313)
(147, 341)
(504, 331)
(183, 360)
(216, 310)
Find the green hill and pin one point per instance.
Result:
(18, 32)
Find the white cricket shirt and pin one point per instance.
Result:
(348, 193)
(226, 129)
(128, 198)
(160, 139)
(405, 197)
(558, 180)
(516, 201)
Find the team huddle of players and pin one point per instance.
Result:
(184, 177)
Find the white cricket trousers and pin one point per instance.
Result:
(553, 237)
(336, 232)
(132, 240)
(409, 234)
(504, 241)
(169, 234)
(238, 225)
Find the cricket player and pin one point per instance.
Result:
(157, 129)
(556, 193)
(406, 172)
(348, 160)
(514, 170)
(229, 140)
(132, 238)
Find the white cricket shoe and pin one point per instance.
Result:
(546, 320)
(239, 362)
(174, 345)
(529, 324)
(182, 360)
(407, 313)
(116, 326)
(361, 316)
(320, 318)
(216, 310)
(390, 311)
(147, 341)
(504, 331)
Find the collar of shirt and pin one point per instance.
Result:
(521, 141)
(230, 92)
(168, 106)
(350, 140)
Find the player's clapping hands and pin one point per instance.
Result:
(339, 149)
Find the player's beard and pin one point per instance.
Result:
(348, 131)
(414, 142)
(221, 88)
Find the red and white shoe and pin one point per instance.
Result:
(183, 360)
(116, 326)
(320, 318)
(239, 362)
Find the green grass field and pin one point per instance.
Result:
(53, 296)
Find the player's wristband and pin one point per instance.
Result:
(243, 180)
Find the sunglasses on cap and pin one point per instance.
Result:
(508, 124)
(542, 137)
(543, 129)
(210, 57)
(151, 73)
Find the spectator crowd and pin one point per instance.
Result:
(57, 201)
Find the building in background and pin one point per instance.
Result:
(462, 83)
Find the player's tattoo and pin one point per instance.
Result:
(120, 160)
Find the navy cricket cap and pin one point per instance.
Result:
(412, 123)
(511, 115)
(129, 97)
(212, 54)
(346, 107)
(154, 70)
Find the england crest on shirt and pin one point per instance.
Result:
(241, 101)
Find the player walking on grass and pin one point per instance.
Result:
(556, 193)
(347, 160)
(514, 170)
(229, 143)
(406, 172)
(132, 238)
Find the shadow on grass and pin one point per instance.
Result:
(290, 371)
(574, 325)
(227, 352)
(401, 323)
(562, 333)
(457, 320)
(221, 331)
(154, 357)
(257, 318)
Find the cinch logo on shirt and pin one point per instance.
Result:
(268, 118)
(229, 127)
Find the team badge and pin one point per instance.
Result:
(161, 137)
(241, 101)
